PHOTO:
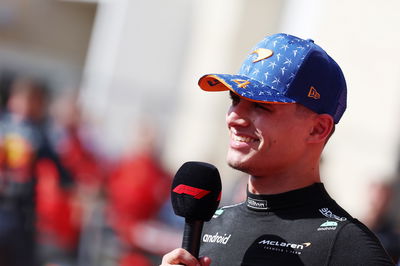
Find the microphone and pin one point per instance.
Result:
(195, 195)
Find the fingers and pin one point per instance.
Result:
(180, 256)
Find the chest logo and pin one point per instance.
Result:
(219, 239)
(283, 246)
(328, 225)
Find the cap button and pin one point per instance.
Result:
(310, 40)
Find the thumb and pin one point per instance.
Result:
(205, 261)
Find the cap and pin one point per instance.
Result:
(286, 69)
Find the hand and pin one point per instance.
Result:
(180, 256)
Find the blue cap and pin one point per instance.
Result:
(286, 69)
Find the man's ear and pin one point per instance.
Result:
(322, 128)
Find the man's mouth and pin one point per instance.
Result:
(245, 139)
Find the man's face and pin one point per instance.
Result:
(266, 138)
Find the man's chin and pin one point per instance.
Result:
(238, 166)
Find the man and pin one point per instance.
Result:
(286, 100)
(26, 160)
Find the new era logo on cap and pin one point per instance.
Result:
(286, 69)
(312, 93)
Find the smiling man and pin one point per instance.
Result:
(286, 100)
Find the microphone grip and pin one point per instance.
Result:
(191, 236)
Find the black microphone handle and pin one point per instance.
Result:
(192, 235)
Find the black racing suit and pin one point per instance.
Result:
(299, 227)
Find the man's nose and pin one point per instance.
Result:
(238, 115)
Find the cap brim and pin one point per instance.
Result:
(244, 86)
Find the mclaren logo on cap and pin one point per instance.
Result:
(262, 54)
(197, 193)
(241, 83)
(312, 93)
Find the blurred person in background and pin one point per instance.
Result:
(63, 215)
(137, 189)
(6, 78)
(26, 154)
(379, 218)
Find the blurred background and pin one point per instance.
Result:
(100, 107)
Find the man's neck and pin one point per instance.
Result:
(283, 182)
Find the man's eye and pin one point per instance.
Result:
(235, 99)
(261, 106)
